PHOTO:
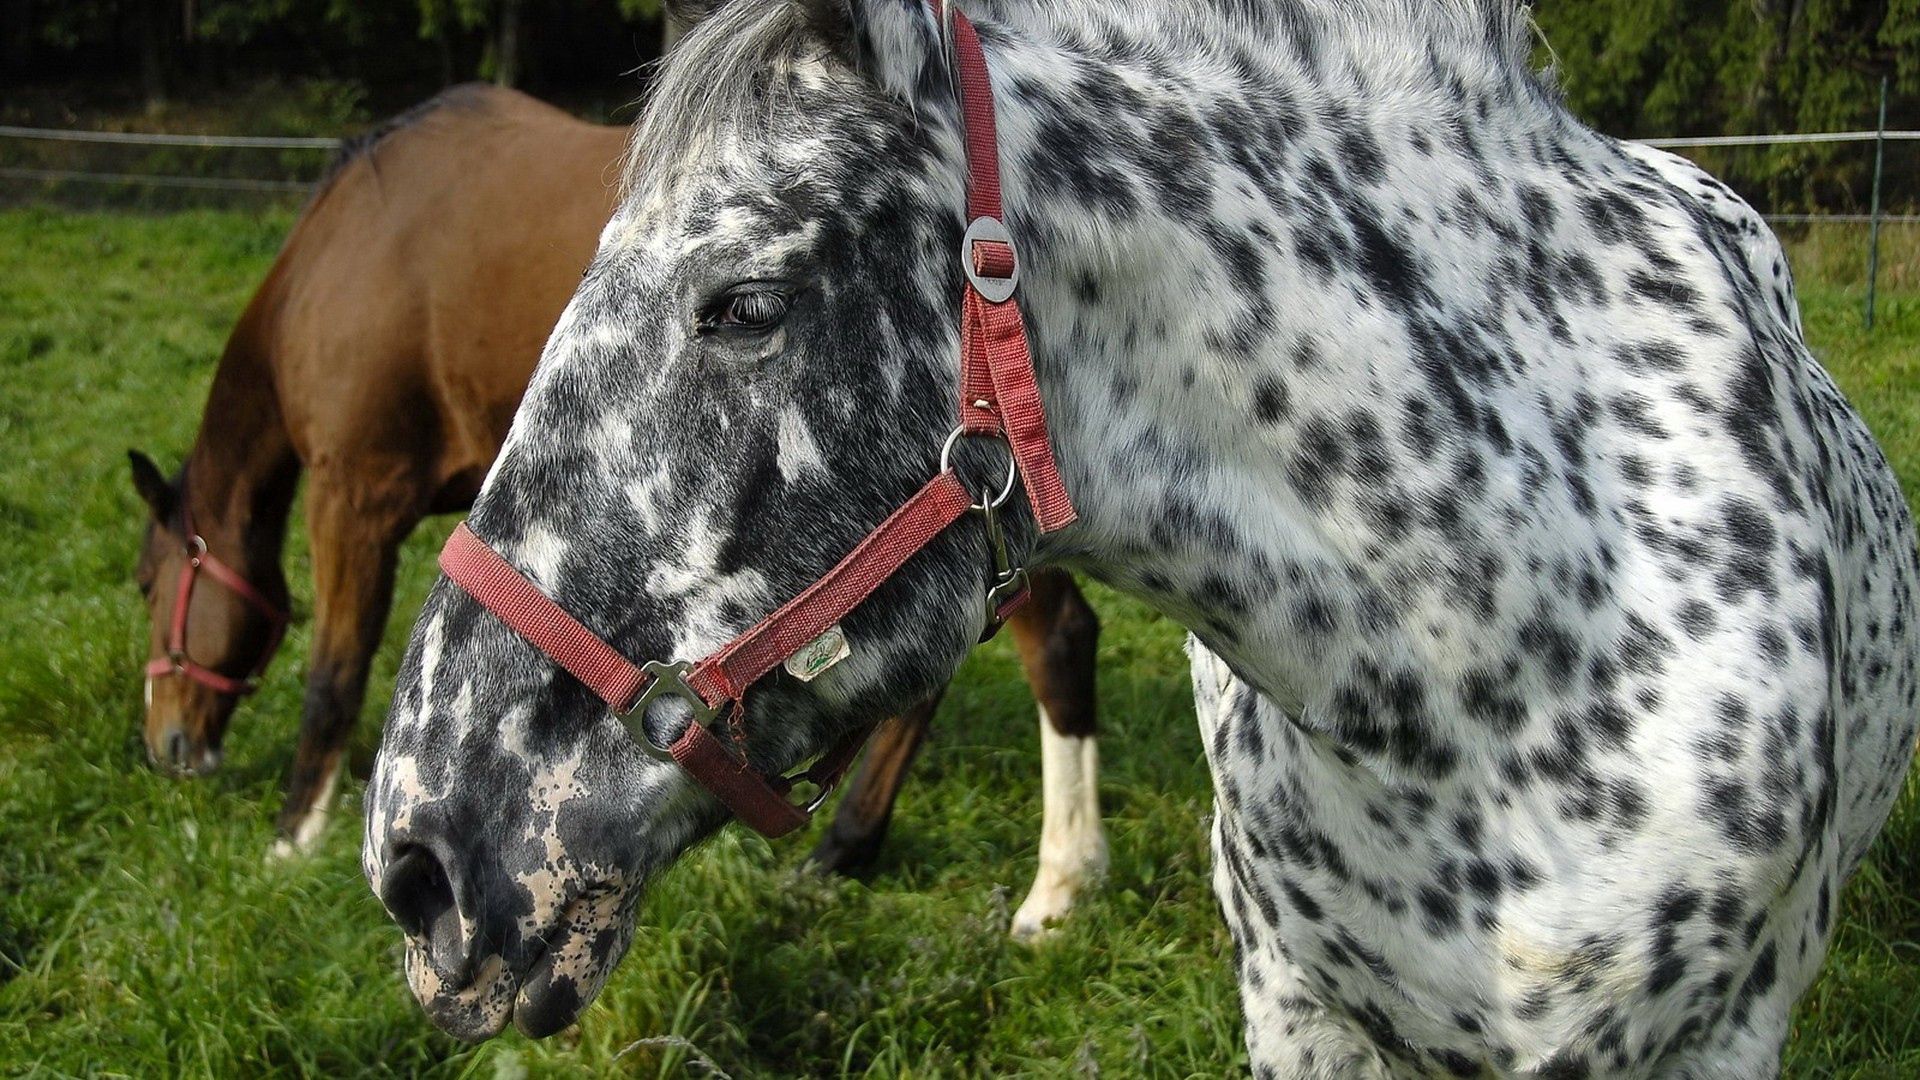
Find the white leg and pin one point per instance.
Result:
(1073, 846)
(306, 836)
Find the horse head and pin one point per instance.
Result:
(211, 628)
(758, 368)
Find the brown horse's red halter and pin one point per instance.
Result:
(1000, 399)
(176, 662)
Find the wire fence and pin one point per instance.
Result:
(46, 176)
(301, 160)
(122, 167)
(199, 183)
(1782, 140)
(143, 138)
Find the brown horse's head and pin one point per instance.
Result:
(225, 639)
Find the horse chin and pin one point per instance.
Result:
(550, 992)
(582, 950)
(475, 1012)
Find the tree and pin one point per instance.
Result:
(1717, 67)
(503, 23)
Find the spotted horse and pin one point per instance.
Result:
(1552, 612)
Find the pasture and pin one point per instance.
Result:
(143, 934)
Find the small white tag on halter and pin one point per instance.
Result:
(816, 656)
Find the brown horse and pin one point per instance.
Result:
(385, 354)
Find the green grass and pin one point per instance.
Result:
(141, 934)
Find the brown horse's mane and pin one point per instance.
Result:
(466, 96)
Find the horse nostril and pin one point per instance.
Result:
(177, 749)
(419, 896)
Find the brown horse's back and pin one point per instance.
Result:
(415, 293)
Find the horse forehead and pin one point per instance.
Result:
(656, 240)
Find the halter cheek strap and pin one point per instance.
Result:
(1000, 399)
(999, 395)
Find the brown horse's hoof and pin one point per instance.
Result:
(847, 851)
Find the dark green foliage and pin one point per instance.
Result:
(1647, 68)
(399, 51)
(1636, 68)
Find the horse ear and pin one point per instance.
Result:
(153, 487)
(896, 42)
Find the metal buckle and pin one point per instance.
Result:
(665, 678)
(990, 230)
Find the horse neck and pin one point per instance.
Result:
(241, 474)
(1185, 350)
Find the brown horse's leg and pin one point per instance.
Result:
(1058, 636)
(355, 548)
(853, 840)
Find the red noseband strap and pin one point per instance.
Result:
(715, 687)
(1000, 398)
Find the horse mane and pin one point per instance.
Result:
(467, 96)
(1504, 26)
(697, 91)
(738, 62)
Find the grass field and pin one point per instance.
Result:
(141, 934)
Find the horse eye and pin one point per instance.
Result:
(753, 309)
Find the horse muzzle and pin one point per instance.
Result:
(467, 960)
(177, 755)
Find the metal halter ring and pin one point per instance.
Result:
(196, 548)
(666, 679)
(1013, 466)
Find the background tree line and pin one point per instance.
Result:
(1632, 67)
(1650, 68)
(396, 50)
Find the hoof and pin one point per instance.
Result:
(1060, 884)
(1036, 923)
(847, 853)
(301, 842)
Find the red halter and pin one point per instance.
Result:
(176, 662)
(1000, 399)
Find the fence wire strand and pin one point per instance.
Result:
(266, 142)
(1780, 140)
(213, 183)
(147, 138)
